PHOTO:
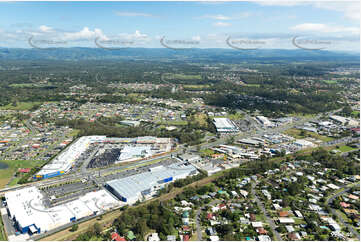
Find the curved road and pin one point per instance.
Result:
(330, 200)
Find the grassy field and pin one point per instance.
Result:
(196, 86)
(252, 85)
(346, 148)
(175, 122)
(355, 114)
(302, 115)
(330, 81)
(235, 116)
(2, 232)
(296, 133)
(24, 85)
(73, 133)
(182, 76)
(207, 152)
(14, 165)
(21, 106)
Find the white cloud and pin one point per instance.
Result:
(350, 9)
(279, 3)
(133, 14)
(84, 34)
(196, 38)
(222, 17)
(221, 24)
(137, 35)
(45, 28)
(217, 17)
(323, 28)
(244, 15)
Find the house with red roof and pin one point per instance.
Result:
(222, 206)
(261, 231)
(344, 205)
(116, 237)
(24, 170)
(283, 213)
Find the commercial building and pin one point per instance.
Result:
(141, 186)
(130, 123)
(264, 121)
(190, 158)
(343, 120)
(250, 142)
(26, 207)
(65, 160)
(62, 163)
(302, 143)
(225, 125)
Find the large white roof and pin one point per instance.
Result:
(132, 186)
(66, 158)
(27, 206)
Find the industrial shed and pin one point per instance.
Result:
(133, 188)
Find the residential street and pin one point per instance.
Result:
(330, 200)
(269, 220)
(198, 213)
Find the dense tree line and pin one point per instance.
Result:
(343, 165)
(142, 219)
(186, 134)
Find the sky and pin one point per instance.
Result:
(239, 25)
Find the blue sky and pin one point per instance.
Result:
(271, 24)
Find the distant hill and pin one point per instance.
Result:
(190, 55)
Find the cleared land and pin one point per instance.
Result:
(13, 165)
(196, 86)
(296, 133)
(330, 81)
(182, 76)
(346, 148)
(21, 106)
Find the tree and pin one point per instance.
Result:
(97, 228)
(74, 227)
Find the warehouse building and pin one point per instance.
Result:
(250, 141)
(302, 143)
(225, 125)
(343, 120)
(265, 121)
(142, 186)
(26, 207)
